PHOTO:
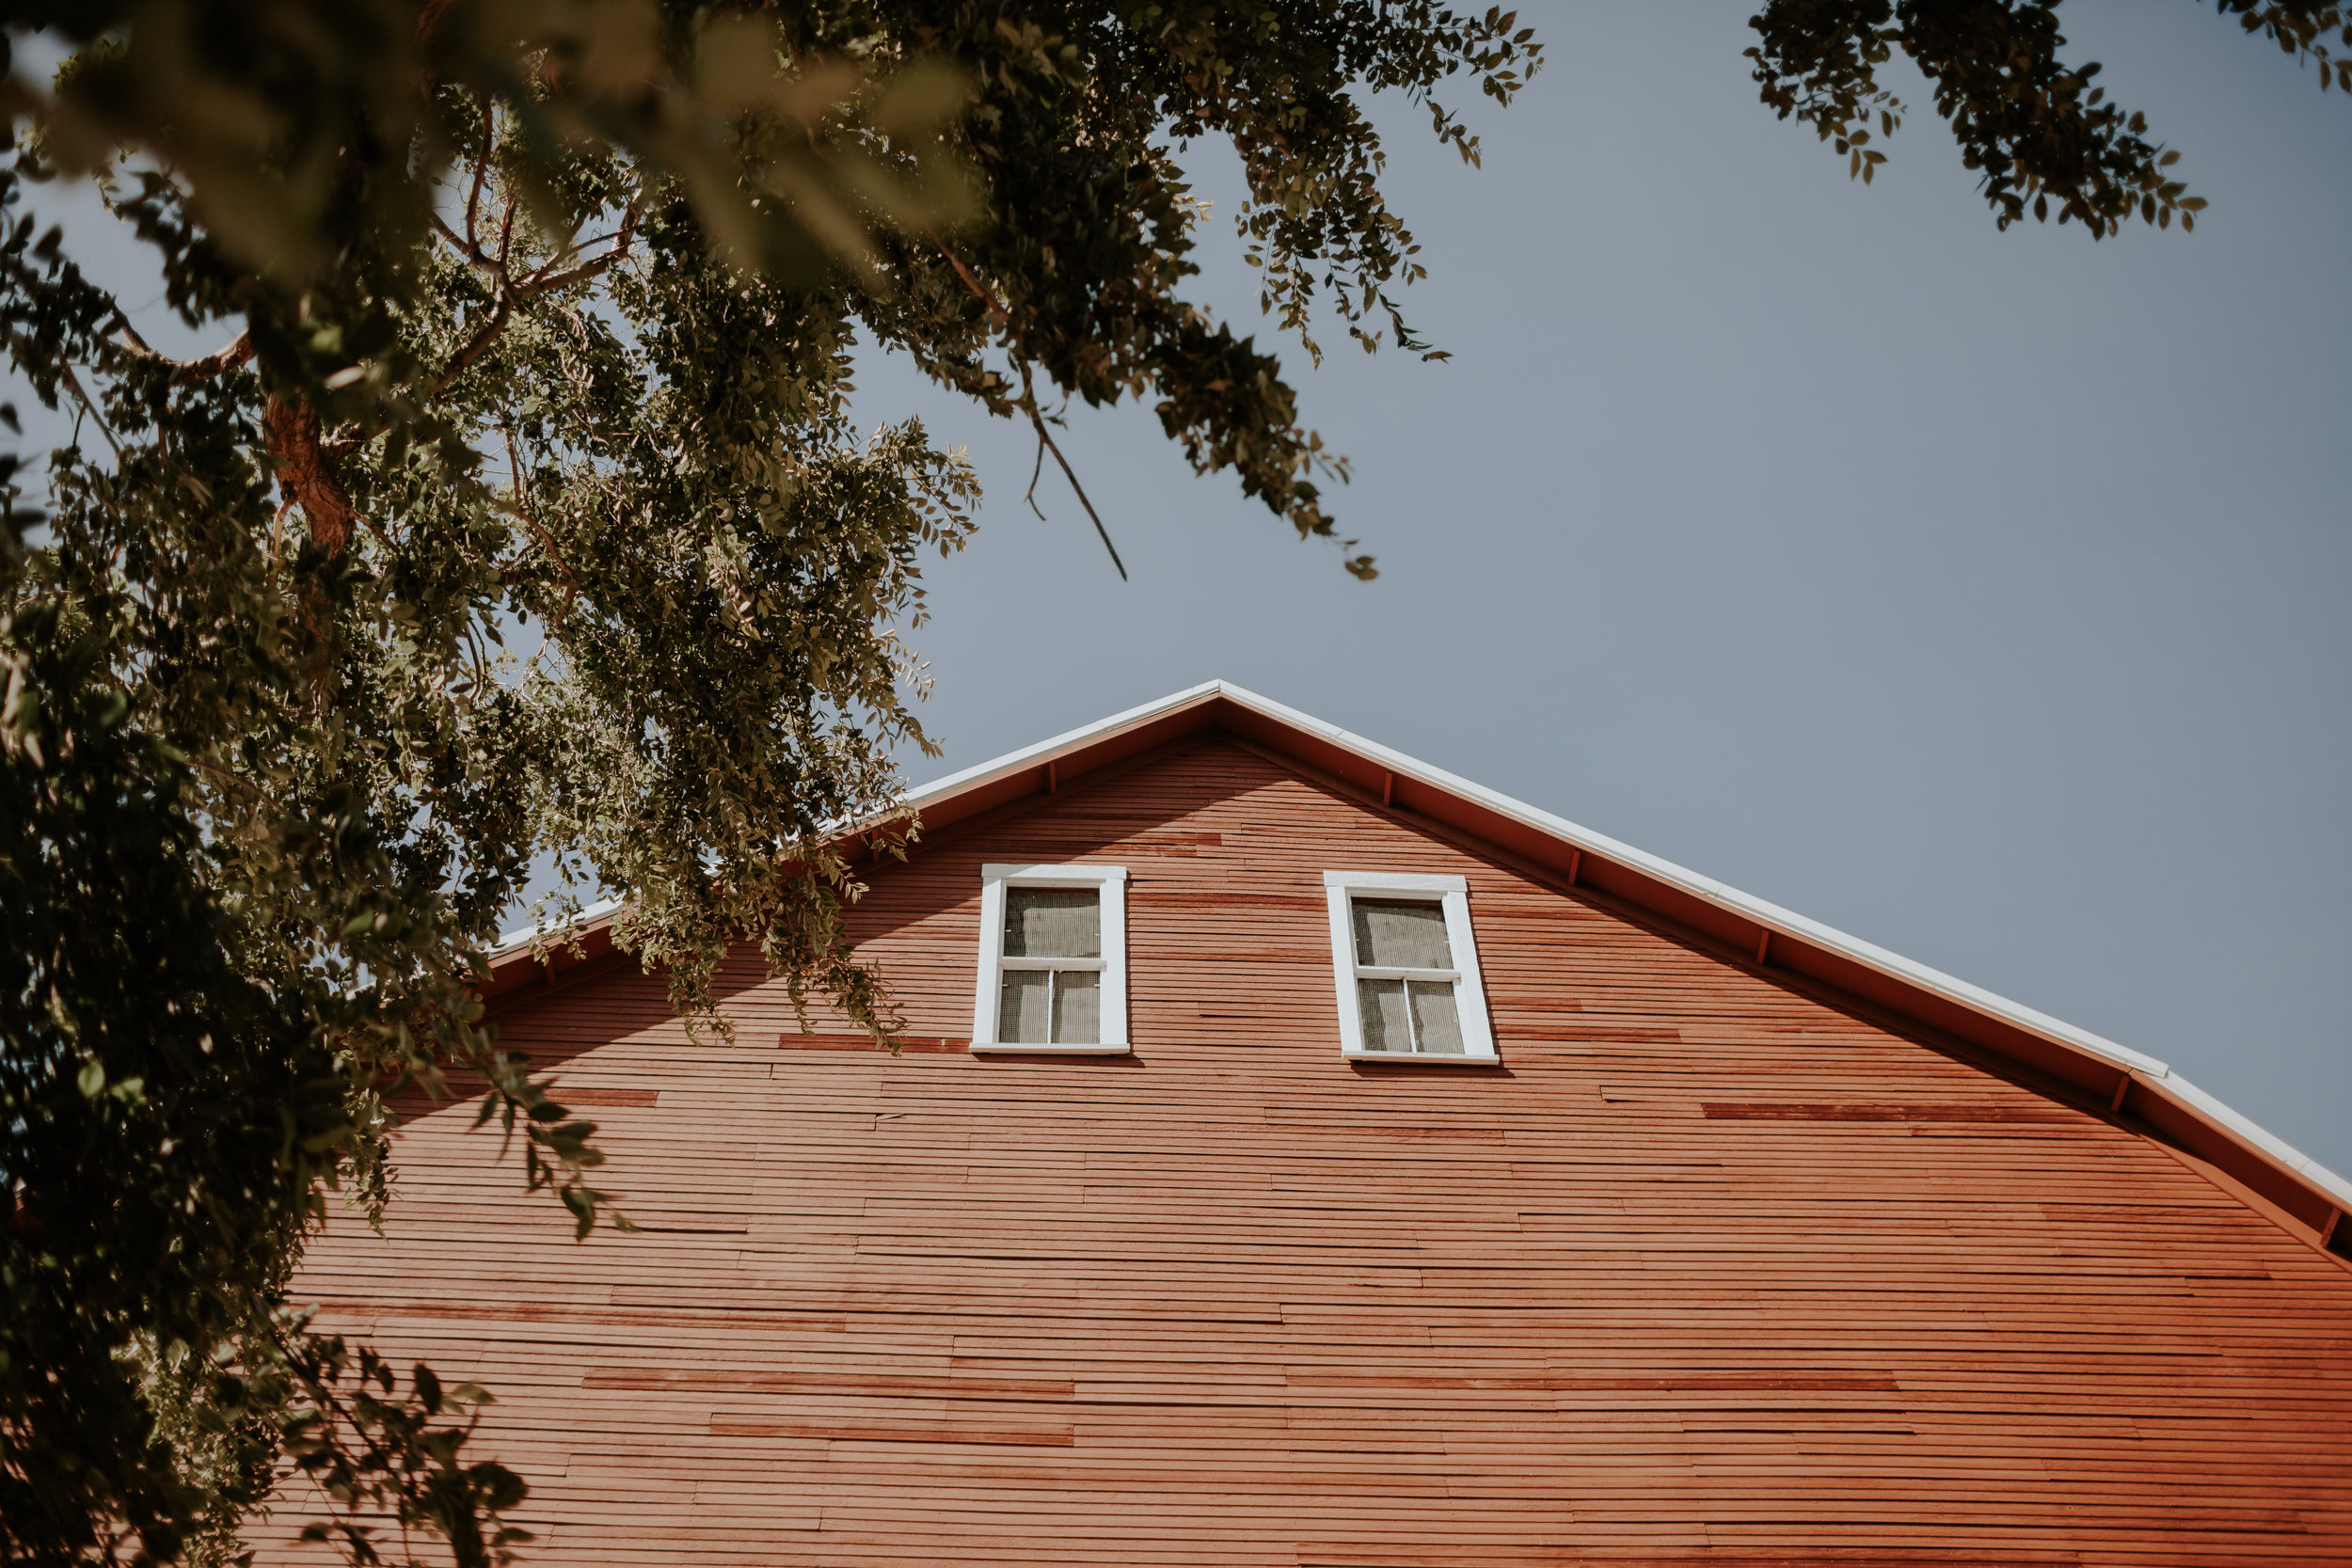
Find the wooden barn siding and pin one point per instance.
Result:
(1708, 1272)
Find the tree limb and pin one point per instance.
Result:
(972, 283)
(531, 520)
(460, 243)
(508, 293)
(542, 281)
(1028, 405)
(306, 472)
(474, 347)
(73, 385)
(473, 197)
(488, 332)
(187, 370)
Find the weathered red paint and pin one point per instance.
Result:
(1723, 1265)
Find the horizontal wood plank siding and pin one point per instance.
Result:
(1708, 1271)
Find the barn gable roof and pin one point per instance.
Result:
(2074, 1064)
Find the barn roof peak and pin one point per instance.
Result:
(2084, 1067)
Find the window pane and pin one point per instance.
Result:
(1021, 1008)
(1077, 1008)
(1401, 936)
(1052, 923)
(1436, 1023)
(1382, 1003)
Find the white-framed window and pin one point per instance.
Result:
(1408, 969)
(1053, 959)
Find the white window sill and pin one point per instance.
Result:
(1421, 1058)
(982, 1050)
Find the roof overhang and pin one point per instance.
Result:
(2085, 1069)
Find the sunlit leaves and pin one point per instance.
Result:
(518, 519)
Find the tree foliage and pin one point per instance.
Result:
(518, 516)
(2044, 136)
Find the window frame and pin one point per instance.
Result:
(1110, 882)
(1450, 893)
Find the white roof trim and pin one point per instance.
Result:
(1786, 922)
(1771, 915)
(2269, 1143)
(1044, 751)
(511, 942)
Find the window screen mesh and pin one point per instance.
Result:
(1021, 1007)
(1052, 923)
(1077, 1008)
(1383, 1006)
(1401, 936)
(1411, 1015)
(1436, 1027)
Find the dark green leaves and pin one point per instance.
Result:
(380, 1454)
(519, 519)
(2038, 132)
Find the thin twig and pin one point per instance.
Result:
(22, 351)
(225, 776)
(484, 337)
(523, 509)
(506, 236)
(508, 293)
(1028, 404)
(1036, 471)
(971, 282)
(74, 384)
(480, 172)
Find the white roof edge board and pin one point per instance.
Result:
(1045, 750)
(511, 942)
(2251, 1132)
(1765, 913)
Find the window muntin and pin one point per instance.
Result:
(1050, 987)
(1053, 959)
(1406, 968)
(1405, 977)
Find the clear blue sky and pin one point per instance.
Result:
(1979, 594)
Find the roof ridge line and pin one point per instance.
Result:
(1761, 911)
(2323, 1181)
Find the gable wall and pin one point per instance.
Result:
(1710, 1271)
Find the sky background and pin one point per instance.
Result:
(1979, 594)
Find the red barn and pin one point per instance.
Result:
(1305, 1158)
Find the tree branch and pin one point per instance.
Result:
(542, 282)
(460, 243)
(972, 283)
(481, 170)
(508, 293)
(185, 371)
(1028, 405)
(523, 509)
(474, 347)
(73, 385)
(306, 472)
